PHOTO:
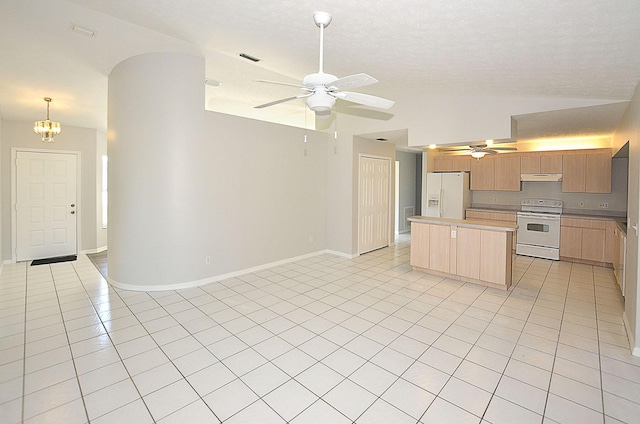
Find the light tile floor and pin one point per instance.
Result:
(320, 340)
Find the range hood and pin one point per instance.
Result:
(540, 177)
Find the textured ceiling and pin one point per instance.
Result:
(546, 48)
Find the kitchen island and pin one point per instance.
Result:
(476, 251)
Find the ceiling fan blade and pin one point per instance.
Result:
(281, 83)
(352, 81)
(365, 99)
(490, 151)
(281, 101)
(504, 148)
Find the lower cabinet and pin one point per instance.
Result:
(477, 255)
(585, 239)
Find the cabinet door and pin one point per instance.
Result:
(571, 242)
(482, 173)
(507, 173)
(495, 257)
(419, 245)
(468, 253)
(598, 173)
(611, 230)
(530, 163)
(551, 164)
(461, 163)
(439, 247)
(573, 173)
(593, 243)
(442, 164)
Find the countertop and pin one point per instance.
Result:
(618, 217)
(467, 223)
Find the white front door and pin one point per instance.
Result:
(45, 205)
(373, 203)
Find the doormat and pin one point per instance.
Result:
(54, 260)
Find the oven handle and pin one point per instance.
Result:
(536, 216)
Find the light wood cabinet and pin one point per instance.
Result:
(483, 174)
(420, 251)
(586, 239)
(459, 163)
(550, 163)
(501, 216)
(573, 171)
(598, 173)
(442, 164)
(495, 256)
(587, 172)
(439, 247)
(530, 163)
(507, 173)
(468, 252)
(472, 252)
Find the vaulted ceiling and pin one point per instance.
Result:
(586, 49)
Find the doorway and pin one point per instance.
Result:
(45, 196)
(374, 203)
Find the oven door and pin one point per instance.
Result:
(539, 229)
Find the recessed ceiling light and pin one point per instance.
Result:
(83, 31)
(432, 146)
(249, 57)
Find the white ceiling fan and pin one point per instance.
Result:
(322, 90)
(479, 150)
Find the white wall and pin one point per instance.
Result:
(101, 150)
(629, 130)
(1, 203)
(241, 192)
(407, 186)
(84, 140)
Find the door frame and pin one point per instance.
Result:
(14, 181)
(390, 239)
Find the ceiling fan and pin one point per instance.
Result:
(322, 90)
(479, 150)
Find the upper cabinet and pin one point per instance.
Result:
(483, 174)
(507, 173)
(459, 163)
(586, 171)
(583, 171)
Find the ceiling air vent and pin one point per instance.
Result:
(249, 57)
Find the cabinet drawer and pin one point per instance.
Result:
(584, 223)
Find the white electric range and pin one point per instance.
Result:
(538, 232)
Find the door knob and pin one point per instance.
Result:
(73, 205)
(72, 212)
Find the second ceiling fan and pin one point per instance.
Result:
(322, 90)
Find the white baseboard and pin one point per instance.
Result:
(92, 251)
(635, 350)
(213, 279)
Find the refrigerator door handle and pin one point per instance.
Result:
(440, 203)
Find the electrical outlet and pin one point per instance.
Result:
(207, 260)
(453, 234)
(582, 204)
(605, 205)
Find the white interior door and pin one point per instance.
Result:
(46, 218)
(374, 203)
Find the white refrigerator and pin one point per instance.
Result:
(448, 194)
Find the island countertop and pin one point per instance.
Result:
(466, 223)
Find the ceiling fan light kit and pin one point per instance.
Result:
(322, 89)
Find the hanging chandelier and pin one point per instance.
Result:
(47, 129)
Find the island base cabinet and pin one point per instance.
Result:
(495, 256)
(462, 253)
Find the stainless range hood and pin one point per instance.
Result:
(540, 177)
